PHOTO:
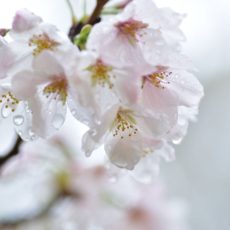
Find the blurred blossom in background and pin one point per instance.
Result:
(200, 174)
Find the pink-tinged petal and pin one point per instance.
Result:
(158, 99)
(24, 20)
(127, 87)
(116, 49)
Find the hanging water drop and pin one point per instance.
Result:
(32, 135)
(58, 121)
(74, 112)
(177, 141)
(18, 120)
(5, 111)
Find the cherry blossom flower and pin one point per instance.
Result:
(46, 89)
(131, 36)
(39, 61)
(128, 135)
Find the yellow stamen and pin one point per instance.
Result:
(124, 123)
(9, 100)
(130, 28)
(100, 74)
(57, 88)
(42, 42)
(157, 79)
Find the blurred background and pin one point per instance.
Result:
(201, 173)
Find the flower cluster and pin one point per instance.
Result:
(129, 83)
(51, 190)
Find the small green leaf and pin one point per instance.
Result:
(81, 39)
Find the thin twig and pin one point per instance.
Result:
(74, 18)
(14, 151)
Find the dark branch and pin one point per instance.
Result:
(14, 151)
(97, 11)
(93, 19)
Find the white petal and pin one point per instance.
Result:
(187, 87)
(48, 115)
(127, 87)
(7, 58)
(48, 64)
(24, 84)
(97, 133)
(22, 120)
(123, 153)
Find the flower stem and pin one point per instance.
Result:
(74, 18)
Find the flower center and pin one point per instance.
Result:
(57, 89)
(130, 28)
(8, 104)
(157, 79)
(100, 74)
(42, 42)
(124, 124)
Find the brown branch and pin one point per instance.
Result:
(14, 151)
(93, 19)
(97, 11)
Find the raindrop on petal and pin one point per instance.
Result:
(32, 135)
(73, 111)
(5, 112)
(18, 120)
(58, 121)
(177, 141)
(113, 179)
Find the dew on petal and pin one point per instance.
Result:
(177, 141)
(74, 112)
(5, 112)
(113, 179)
(18, 120)
(32, 135)
(58, 121)
(88, 154)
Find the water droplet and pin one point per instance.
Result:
(19, 132)
(18, 120)
(58, 121)
(73, 111)
(177, 141)
(32, 135)
(88, 153)
(113, 179)
(5, 112)
(93, 132)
